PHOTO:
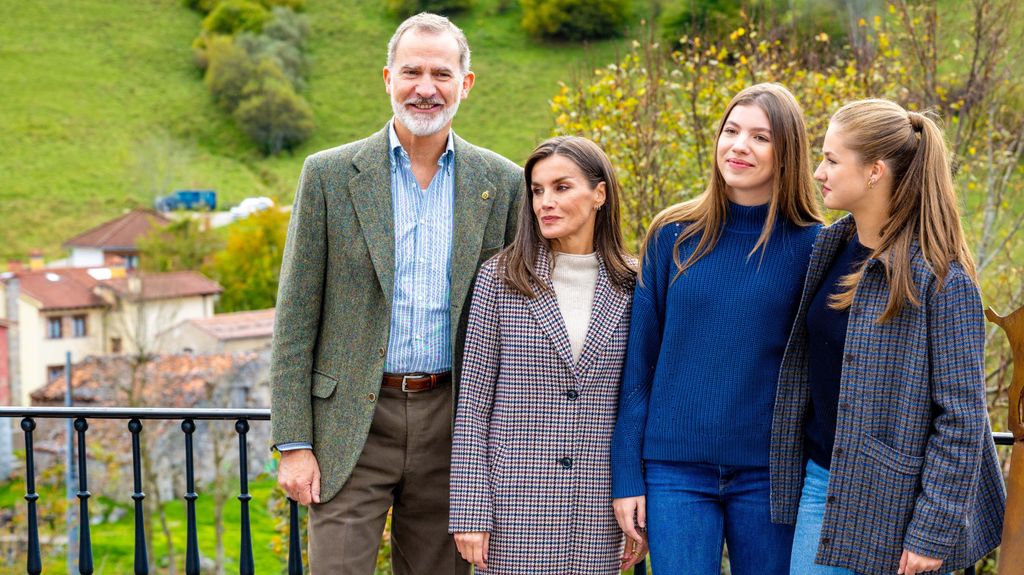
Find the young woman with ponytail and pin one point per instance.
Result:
(881, 451)
(721, 279)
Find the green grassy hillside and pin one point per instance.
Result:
(101, 107)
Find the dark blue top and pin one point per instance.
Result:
(826, 339)
(705, 348)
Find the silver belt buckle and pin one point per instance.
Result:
(405, 378)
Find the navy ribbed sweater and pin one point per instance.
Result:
(705, 349)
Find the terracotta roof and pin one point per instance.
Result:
(73, 288)
(60, 288)
(238, 325)
(121, 232)
(178, 380)
(166, 285)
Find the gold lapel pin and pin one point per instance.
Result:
(486, 195)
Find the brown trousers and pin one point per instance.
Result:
(405, 466)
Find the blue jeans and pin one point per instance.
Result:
(808, 525)
(693, 508)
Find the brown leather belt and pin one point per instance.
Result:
(413, 382)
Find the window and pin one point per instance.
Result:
(54, 371)
(54, 327)
(131, 262)
(115, 345)
(78, 326)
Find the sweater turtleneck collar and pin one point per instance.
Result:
(746, 219)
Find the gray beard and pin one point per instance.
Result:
(421, 126)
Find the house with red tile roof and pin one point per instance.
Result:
(221, 333)
(90, 311)
(113, 243)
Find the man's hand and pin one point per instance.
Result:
(299, 475)
(911, 563)
(473, 547)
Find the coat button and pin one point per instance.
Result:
(831, 499)
(566, 462)
(839, 451)
(572, 394)
(380, 351)
(844, 406)
(850, 357)
(825, 541)
(371, 396)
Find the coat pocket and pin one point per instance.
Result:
(498, 465)
(890, 458)
(323, 385)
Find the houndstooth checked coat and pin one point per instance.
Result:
(530, 452)
(913, 465)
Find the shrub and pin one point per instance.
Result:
(229, 69)
(201, 6)
(271, 113)
(406, 8)
(575, 19)
(288, 58)
(232, 16)
(296, 5)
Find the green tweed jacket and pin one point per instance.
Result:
(335, 293)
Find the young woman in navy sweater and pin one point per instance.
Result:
(721, 279)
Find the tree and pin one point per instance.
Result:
(271, 113)
(229, 68)
(249, 266)
(185, 244)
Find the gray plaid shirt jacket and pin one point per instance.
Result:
(914, 465)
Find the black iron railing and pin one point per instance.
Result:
(188, 417)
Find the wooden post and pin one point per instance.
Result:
(1011, 553)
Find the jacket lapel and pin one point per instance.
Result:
(474, 196)
(822, 255)
(371, 195)
(609, 306)
(545, 309)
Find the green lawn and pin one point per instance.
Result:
(114, 542)
(101, 106)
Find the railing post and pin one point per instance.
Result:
(294, 541)
(192, 539)
(34, 565)
(141, 559)
(245, 562)
(84, 539)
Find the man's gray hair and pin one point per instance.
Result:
(431, 24)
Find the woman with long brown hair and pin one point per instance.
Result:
(720, 280)
(881, 453)
(530, 479)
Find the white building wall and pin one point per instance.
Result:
(38, 352)
(86, 257)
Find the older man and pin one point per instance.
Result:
(385, 238)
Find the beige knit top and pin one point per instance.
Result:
(574, 278)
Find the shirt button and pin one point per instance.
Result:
(566, 462)
(380, 351)
(371, 396)
(572, 394)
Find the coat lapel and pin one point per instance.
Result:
(371, 195)
(545, 309)
(474, 196)
(609, 306)
(822, 255)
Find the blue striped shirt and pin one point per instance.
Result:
(420, 339)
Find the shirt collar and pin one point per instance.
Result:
(396, 146)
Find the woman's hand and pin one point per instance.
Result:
(632, 553)
(631, 513)
(911, 564)
(473, 547)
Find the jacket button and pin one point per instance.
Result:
(850, 357)
(831, 499)
(572, 394)
(380, 351)
(566, 462)
(371, 396)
